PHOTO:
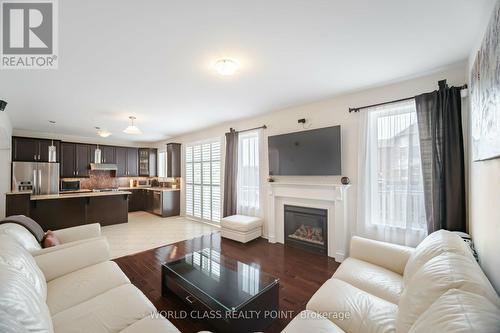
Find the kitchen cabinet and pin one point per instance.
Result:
(82, 154)
(107, 154)
(132, 162)
(32, 149)
(147, 162)
(173, 160)
(75, 160)
(136, 200)
(68, 160)
(127, 162)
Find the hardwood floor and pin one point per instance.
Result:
(300, 273)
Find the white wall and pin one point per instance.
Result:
(484, 197)
(5, 158)
(330, 112)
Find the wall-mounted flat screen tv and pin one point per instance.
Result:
(307, 153)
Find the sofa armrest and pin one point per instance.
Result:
(390, 256)
(69, 259)
(61, 246)
(78, 233)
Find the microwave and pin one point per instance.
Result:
(142, 182)
(70, 185)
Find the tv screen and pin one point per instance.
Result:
(307, 153)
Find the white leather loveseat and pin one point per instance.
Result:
(73, 287)
(382, 287)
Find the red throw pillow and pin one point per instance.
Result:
(50, 239)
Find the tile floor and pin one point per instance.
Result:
(145, 231)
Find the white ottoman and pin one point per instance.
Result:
(241, 228)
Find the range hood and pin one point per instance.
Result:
(103, 166)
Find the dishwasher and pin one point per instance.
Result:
(157, 202)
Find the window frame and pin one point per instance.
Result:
(201, 183)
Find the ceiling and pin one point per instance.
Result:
(152, 59)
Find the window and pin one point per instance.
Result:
(162, 164)
(392, 193)
(248, 182)
(203, 167)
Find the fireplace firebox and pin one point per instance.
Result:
(306, 228)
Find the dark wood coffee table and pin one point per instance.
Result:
(233, 296)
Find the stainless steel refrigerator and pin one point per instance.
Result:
(39, 177)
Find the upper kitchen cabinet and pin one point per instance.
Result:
(75, 160)
(68, 160)
(173, 160)
(147, 162)
(33, 150)
(127, 162)
(132, 162)
(107, 154)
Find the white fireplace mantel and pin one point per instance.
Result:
(332, 197)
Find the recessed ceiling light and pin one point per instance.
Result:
(226, 66)
(132, 129)
(102, 133)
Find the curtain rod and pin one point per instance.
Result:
(249, 129)
(395, 101)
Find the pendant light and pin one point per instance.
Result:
(97, 155)
(132, 129)
(52, 148)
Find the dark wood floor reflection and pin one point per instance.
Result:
(300, 273)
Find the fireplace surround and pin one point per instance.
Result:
(306, 228)
(328, 196)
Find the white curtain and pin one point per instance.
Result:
(248, 180)
(390, 194)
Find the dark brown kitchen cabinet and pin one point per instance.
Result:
(82, 154)
(121, 161)
(107, 154)
(75, 160)
(33, 150)
(173, 160)
(68, 160)
(136, 200)
(147, 162)
(132, 162)
(127, 162)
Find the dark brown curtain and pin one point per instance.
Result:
(230, 174)
(439, 117)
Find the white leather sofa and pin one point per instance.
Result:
(73, 287)
(436, 287)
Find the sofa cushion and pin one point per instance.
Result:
(437, 276)
(9, 324)
(353, 309)
(151, 325)
(17, 258)
(310, 321)
(112, 311)
(433, 245)
(241, 222)
(371, 278)
(20, 301)
(80, 286)
(21, 235)
(458, 311)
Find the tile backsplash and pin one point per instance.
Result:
(106, 179)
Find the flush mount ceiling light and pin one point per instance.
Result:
(102, 133)
(132, 129)
(226, 66)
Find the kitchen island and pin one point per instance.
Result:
(57, 211)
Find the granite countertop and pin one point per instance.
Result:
(162, 189)
(77, 195)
